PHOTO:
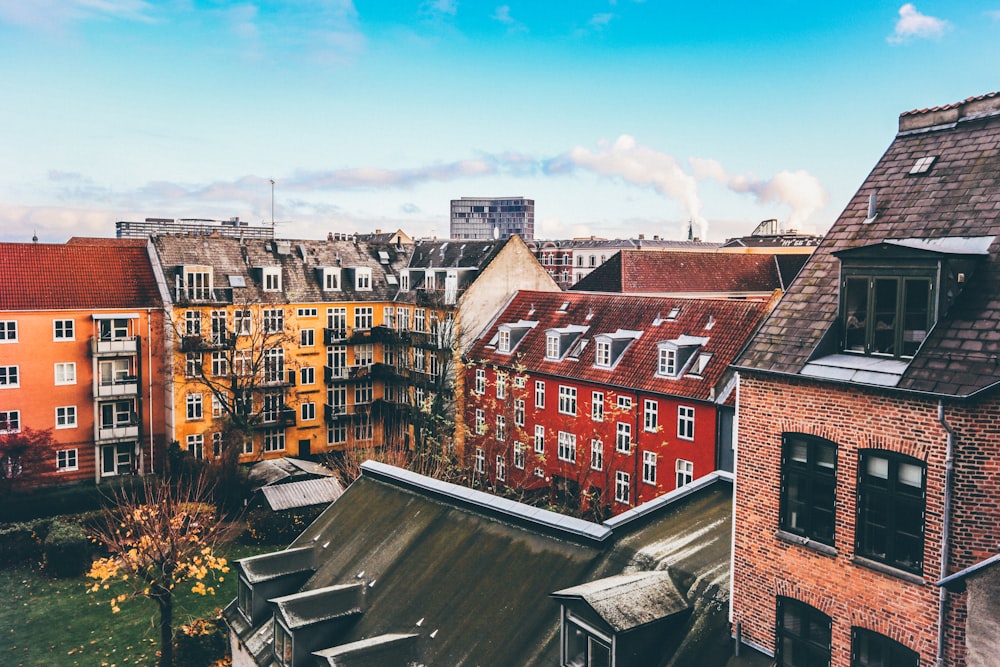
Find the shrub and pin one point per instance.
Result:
(267, 527)
(200, 642)
(66, 550)
(20, 543)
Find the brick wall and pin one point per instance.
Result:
(855, 594)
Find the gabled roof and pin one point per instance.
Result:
(958, 197)
(476, 587)
(660, 272)
(81, 274)
(627, 601)
(454, 254)
(725, 323)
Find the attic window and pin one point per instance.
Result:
(363, 279)
(272, 279)
(922, 165)
(391, 279)
(383, 257)
(673, 356)
(331, 279)
(674, 312)
(237, 281)
(564, 307)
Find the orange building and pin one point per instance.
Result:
(81, 353)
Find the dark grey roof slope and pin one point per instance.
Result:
(299, 261)
(958, 197)
(475, 586)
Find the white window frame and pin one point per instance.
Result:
(597, 406)
(650, 415)
(480, 421)
(501, 431)
(685, 422)
(194, 406)
(480, 387)
(519, 455)
(195, 444)
(242, 322)
(602, 353)
(480, 461)
(625, 403)
(501, 382)
(649, 468)
(308, 411)
(271, 279)
(307, 313)
(567, 447)
(684, 471)
(567, 400)
(363, 279)
(8, 331)
(10, 377)
(65, 372)
(503, 341)
(12, 420)
(667, 362)
(597, 454)
(519, 412)
(67, 460)
(539, 439)
(540, 394)
(274, 440)
(307, 338)
(623, 438)
(66, 417)
(552, 347)
(307, 375)
(274, 320)
(331, 279)
(623, 487)
(501, 468)
(59, 328)
(364, 317)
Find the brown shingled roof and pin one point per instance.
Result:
(732, 322)
(958, 197)
(85, 273)
(665, 272)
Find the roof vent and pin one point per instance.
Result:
(872, 212)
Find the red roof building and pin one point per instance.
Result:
(604, 400)
(81, 353)
(707, 274)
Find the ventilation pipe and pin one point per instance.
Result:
(871, 209)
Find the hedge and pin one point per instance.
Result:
(66, 550)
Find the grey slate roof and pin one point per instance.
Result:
(958, 197)
(298, 260)
(475, 585)
(627, 601)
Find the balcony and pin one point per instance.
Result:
(124, 386)
(115, 347)
(379, 334)
(118, 431)
(284, 418)
(332, 374)
(334, 336)
(282, 378)
(192, 296)
(202, 344)
(334, 412)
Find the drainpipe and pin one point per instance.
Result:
(945, 531)
(732, 548)
(149, 374)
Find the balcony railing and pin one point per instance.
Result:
(116, 346)
(334, 336)
(126, 386)
(283, 418)
(205, 344)
(118, 431)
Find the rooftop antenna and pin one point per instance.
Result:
(272, 203)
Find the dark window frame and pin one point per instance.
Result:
(880, 512)
(868, 328)
(803, 495)
(802, 640)
(872, 649)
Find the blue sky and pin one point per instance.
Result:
(618, 117)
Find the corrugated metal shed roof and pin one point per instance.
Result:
(302, 494)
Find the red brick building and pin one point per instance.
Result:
(81, 353)
(868, 414)
(605, 400)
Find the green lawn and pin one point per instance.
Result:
(47, 621)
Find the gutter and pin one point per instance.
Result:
(949, 463)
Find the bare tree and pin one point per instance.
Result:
(159, 537)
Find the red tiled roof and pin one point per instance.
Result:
(84, 273)
(652, 272)
(733, 322)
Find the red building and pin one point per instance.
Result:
(867, 479)
(604, 400)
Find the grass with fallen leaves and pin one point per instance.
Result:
(46, 621)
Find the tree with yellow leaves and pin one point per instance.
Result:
(159, 537)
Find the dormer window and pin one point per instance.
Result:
(404, 281)
(602, 353)
(363, 279)
(674, 356)
(331, 279)
(503, 341)
(283, 649)
(886, 315)
(510, 334)
(198, 282)
(271, 277)
(552, 346)
(558, 342)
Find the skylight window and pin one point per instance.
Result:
(922, 165)
(674, 312)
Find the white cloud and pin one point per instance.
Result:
(439, 7)
(502, 15)
(914, 25)
(599, 21)
(56, 14)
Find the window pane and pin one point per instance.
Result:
(916, 315)
(884, 335)
(856, 309)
